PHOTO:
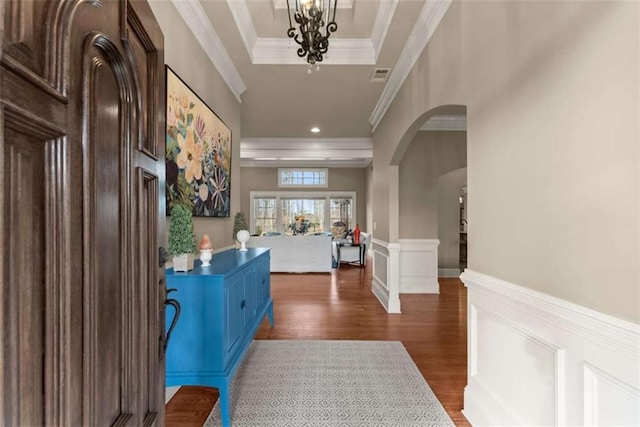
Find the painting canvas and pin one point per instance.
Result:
(198, 153)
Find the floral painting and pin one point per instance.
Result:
(198, 154)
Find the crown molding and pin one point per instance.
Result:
(446, 123)
(325, 152)
(341, 52)
(247, 30)
(298, 163)
(196, 19)
(364, 145)
(381, 25)
(430, 16)
(282, 51)
(342, 4)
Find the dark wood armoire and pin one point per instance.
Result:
(81, 185)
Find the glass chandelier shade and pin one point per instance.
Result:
(311, 17)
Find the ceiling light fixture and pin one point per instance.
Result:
(315, 129)
(310, 17)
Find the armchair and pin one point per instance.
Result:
(356, 254)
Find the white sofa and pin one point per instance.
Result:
(296, 254)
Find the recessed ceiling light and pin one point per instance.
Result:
(315, 129)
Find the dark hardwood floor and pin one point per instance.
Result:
(341, 306)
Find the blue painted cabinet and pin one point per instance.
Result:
(222, 307)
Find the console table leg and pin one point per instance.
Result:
(224, 403)
(270, 313)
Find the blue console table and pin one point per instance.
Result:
(222, 308)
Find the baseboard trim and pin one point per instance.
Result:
(169, 392)
(478, 402)
(449, 272)
(419, 285)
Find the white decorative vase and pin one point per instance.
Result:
(205, 257)
(183, 262)
(243, 237)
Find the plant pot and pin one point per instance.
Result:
(183, 262)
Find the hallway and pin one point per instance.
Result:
(342, 306)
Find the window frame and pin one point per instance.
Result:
(253, 211)
(279, 195)
(282, 171)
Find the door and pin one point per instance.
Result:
(250, 297)
(81, 180)
(233, 313)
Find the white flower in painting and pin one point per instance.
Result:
(203, 192)
(219, 184)
(190, 157)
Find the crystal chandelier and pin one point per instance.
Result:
(311, 17)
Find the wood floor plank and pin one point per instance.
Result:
(341, 306)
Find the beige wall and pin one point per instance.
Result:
(553, 135)
(449, 191)
(340, 179)
(185, 56)
(430, 154)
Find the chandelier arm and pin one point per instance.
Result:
(289, 16)
(323, 45)
(332, 27)
(300, 41)
(335, 4)
(311, 21)
(300, 19)
(328, 10)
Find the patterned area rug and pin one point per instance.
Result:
(330, 383)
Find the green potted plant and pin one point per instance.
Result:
(239, 223)
(182, 240)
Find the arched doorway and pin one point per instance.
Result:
(430, 152)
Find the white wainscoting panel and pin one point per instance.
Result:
(534, 359)
(385, 283)
(609, 400)
(419, 266)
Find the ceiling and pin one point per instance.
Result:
(281, 101)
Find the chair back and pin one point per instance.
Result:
(365, 239)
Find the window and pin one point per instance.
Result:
(302, 212)
(341, 217)
(318, 178)
(265, 214)
(301, 216)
